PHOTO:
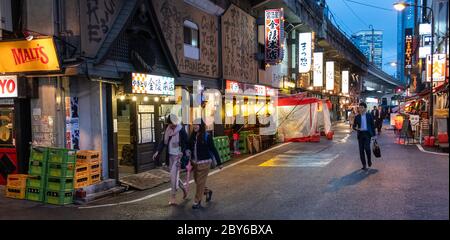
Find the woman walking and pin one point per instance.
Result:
(202, 150)
(176, 140)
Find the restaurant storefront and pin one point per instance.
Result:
(24, 65)
(244, 105)
(142, 104)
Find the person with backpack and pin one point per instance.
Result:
(202, 153)
(176, 140)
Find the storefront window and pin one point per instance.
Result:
(6, 127)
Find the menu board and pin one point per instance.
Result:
(146, 128)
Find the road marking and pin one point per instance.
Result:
(168, 190)
(305, 160)
(425, 151)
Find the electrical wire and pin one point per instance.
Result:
(369, 5)
(354, 13)
(334, 17)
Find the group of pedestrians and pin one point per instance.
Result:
(200, 151)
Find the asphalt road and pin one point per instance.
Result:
(295, 181)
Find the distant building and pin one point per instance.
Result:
(368, 39)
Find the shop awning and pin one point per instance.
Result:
(426, 93)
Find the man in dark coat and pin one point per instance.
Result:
(365, 125)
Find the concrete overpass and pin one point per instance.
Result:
(378, 83)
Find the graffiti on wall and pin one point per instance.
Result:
(171, 15)
(97, 18)
(239, 45)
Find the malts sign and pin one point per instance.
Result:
(8, 86)
(28, 56)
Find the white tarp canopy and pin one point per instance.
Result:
(299, 119)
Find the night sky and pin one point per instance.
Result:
(380, 19)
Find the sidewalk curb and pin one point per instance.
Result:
(425, 151)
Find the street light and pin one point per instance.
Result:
(400, 6)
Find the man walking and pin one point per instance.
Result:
(376, 114)
(364, 124)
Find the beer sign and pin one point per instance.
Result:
(28, 56)
(8, 86)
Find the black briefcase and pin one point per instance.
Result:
(376, 149)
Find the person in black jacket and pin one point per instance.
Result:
(202, 150)
(176, 140)
(364, 124)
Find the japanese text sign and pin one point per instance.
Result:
(318, 69)
(438, 67)
(152, 84)
(274, 32)
(304, 56)
(330, 75)
(408, 48)
(345, 83)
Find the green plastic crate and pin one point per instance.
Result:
(61, 155)
(59, 197)
(35, 194)
(36, 181)
(37, 168)
(39, 154)
(58, 170)
(59, 184)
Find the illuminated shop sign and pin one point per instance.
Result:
(152, 84)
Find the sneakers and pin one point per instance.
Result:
(196, 205)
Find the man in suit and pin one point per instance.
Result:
(376, 114)
(365, 125)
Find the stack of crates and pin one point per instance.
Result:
(81, 174)
(16, 185)
(37, 171)
(60, 176)
(243, 146)
(222, 145)
(92, 160)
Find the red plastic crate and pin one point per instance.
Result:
(429, 141)
(443, 138)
